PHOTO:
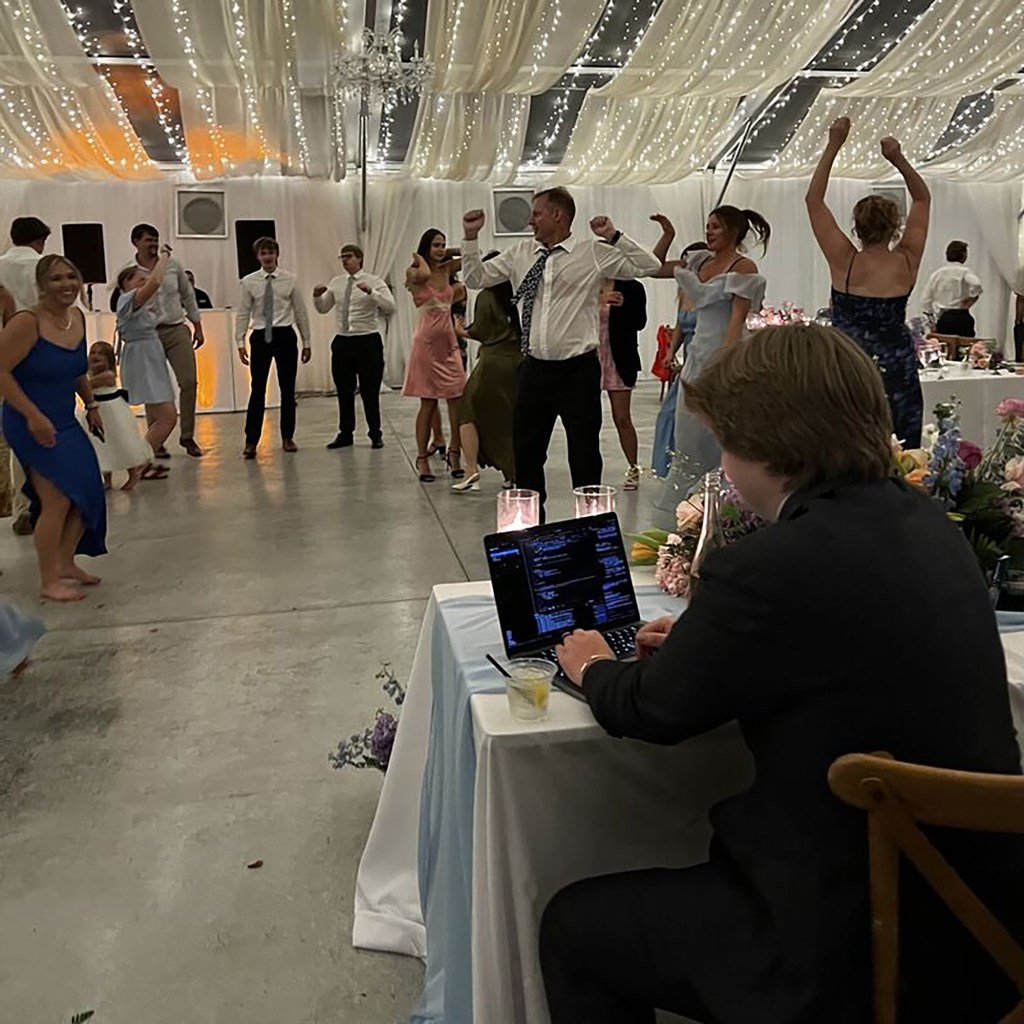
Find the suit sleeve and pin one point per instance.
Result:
(724, 658)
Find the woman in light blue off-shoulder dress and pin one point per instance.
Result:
(724, 287)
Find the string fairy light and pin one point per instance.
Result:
(254, 121)
(294, 93)
(130, 161)
(168, 122)
(555, 122)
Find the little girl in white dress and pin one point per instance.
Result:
(122, 446)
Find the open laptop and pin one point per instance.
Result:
(552, 579)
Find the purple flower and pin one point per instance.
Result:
(382, 739)
(969, 454)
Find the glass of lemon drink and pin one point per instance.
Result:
(528, 688)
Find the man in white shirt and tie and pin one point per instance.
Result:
(950, 293)
(361, 301)
(18, 276)
(557, 278)
(272, 302)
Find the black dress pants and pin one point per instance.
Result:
(282, 350)
(358, 360)
(1018, 343)
(958, 322)
(569, 389)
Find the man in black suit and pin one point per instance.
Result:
(822, 635)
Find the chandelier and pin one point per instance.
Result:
(377, 71)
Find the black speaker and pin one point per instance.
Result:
(83, 245)
(246, 233)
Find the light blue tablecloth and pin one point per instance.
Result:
(465, 632)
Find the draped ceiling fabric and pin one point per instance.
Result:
(490, 56)
(996, 152)
(955, 48)
(672, 105)
(57, 116)
(254, 82)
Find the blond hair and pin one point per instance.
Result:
(876, 220)
(804, 400)
(45, 266)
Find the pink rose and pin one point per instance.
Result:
(689, 515)
(1010, 408)
(1014, 473)
(969, 454)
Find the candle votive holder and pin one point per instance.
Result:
(518, 509)
(593, 500)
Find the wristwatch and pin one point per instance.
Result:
(615, 238)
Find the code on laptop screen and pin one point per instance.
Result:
(559, 577)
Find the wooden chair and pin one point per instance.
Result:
(898, 799)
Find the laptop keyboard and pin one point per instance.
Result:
(621, 641)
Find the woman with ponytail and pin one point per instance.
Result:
(724, 287)
(871, 284)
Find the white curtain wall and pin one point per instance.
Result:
(315, 218)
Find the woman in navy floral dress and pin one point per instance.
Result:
(871, 285)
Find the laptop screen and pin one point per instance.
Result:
(559, 577)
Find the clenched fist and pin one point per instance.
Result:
(891, 149)
(840, 131)
(603, 228)
(472, 222)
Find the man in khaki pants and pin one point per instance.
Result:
(176, 306)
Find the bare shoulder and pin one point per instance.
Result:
(745, 266)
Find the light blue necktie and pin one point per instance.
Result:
(268, 309)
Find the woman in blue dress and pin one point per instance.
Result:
(871, 285)
(724, 287)
(42, 366)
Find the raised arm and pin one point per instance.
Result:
(832, 240)
(477, 273)
(622, 257)
(668, 234)
(915, 234)
(323, 298)
(152, 284)
(418, 273)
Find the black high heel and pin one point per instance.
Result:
(425, 478)
(437, 449)
(457, 474)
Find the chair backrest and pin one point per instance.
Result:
(900, 797)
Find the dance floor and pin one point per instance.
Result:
(174, 727)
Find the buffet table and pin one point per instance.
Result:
(979, 391)
(223, 380)
(482, 819)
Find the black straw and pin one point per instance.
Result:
(498, 667)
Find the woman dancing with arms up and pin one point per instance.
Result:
(871, 285)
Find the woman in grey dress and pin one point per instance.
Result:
(144, 372)
(724, 287)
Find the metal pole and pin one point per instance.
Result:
(364, 118)
(735, 160)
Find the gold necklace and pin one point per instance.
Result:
(63, 326)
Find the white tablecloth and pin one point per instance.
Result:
(223, 380)
(553, 802)
(979, 392)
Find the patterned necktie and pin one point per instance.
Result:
(346, 305)
(527, 291)
(268, 309)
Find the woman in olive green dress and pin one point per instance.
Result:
(488, 403)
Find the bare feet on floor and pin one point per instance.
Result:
(61, 592)
(73, 572)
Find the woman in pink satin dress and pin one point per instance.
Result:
(435, 371)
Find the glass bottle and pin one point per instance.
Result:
(712, 537)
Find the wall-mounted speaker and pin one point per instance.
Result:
(512, 209)
(246, 233)
(83, 245)
(201, 214)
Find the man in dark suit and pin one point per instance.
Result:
(822, 635)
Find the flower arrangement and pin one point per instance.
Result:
(982, 491)
(371, 748)
(776, 316)
(671, 554)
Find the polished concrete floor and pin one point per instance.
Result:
(174, 727)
